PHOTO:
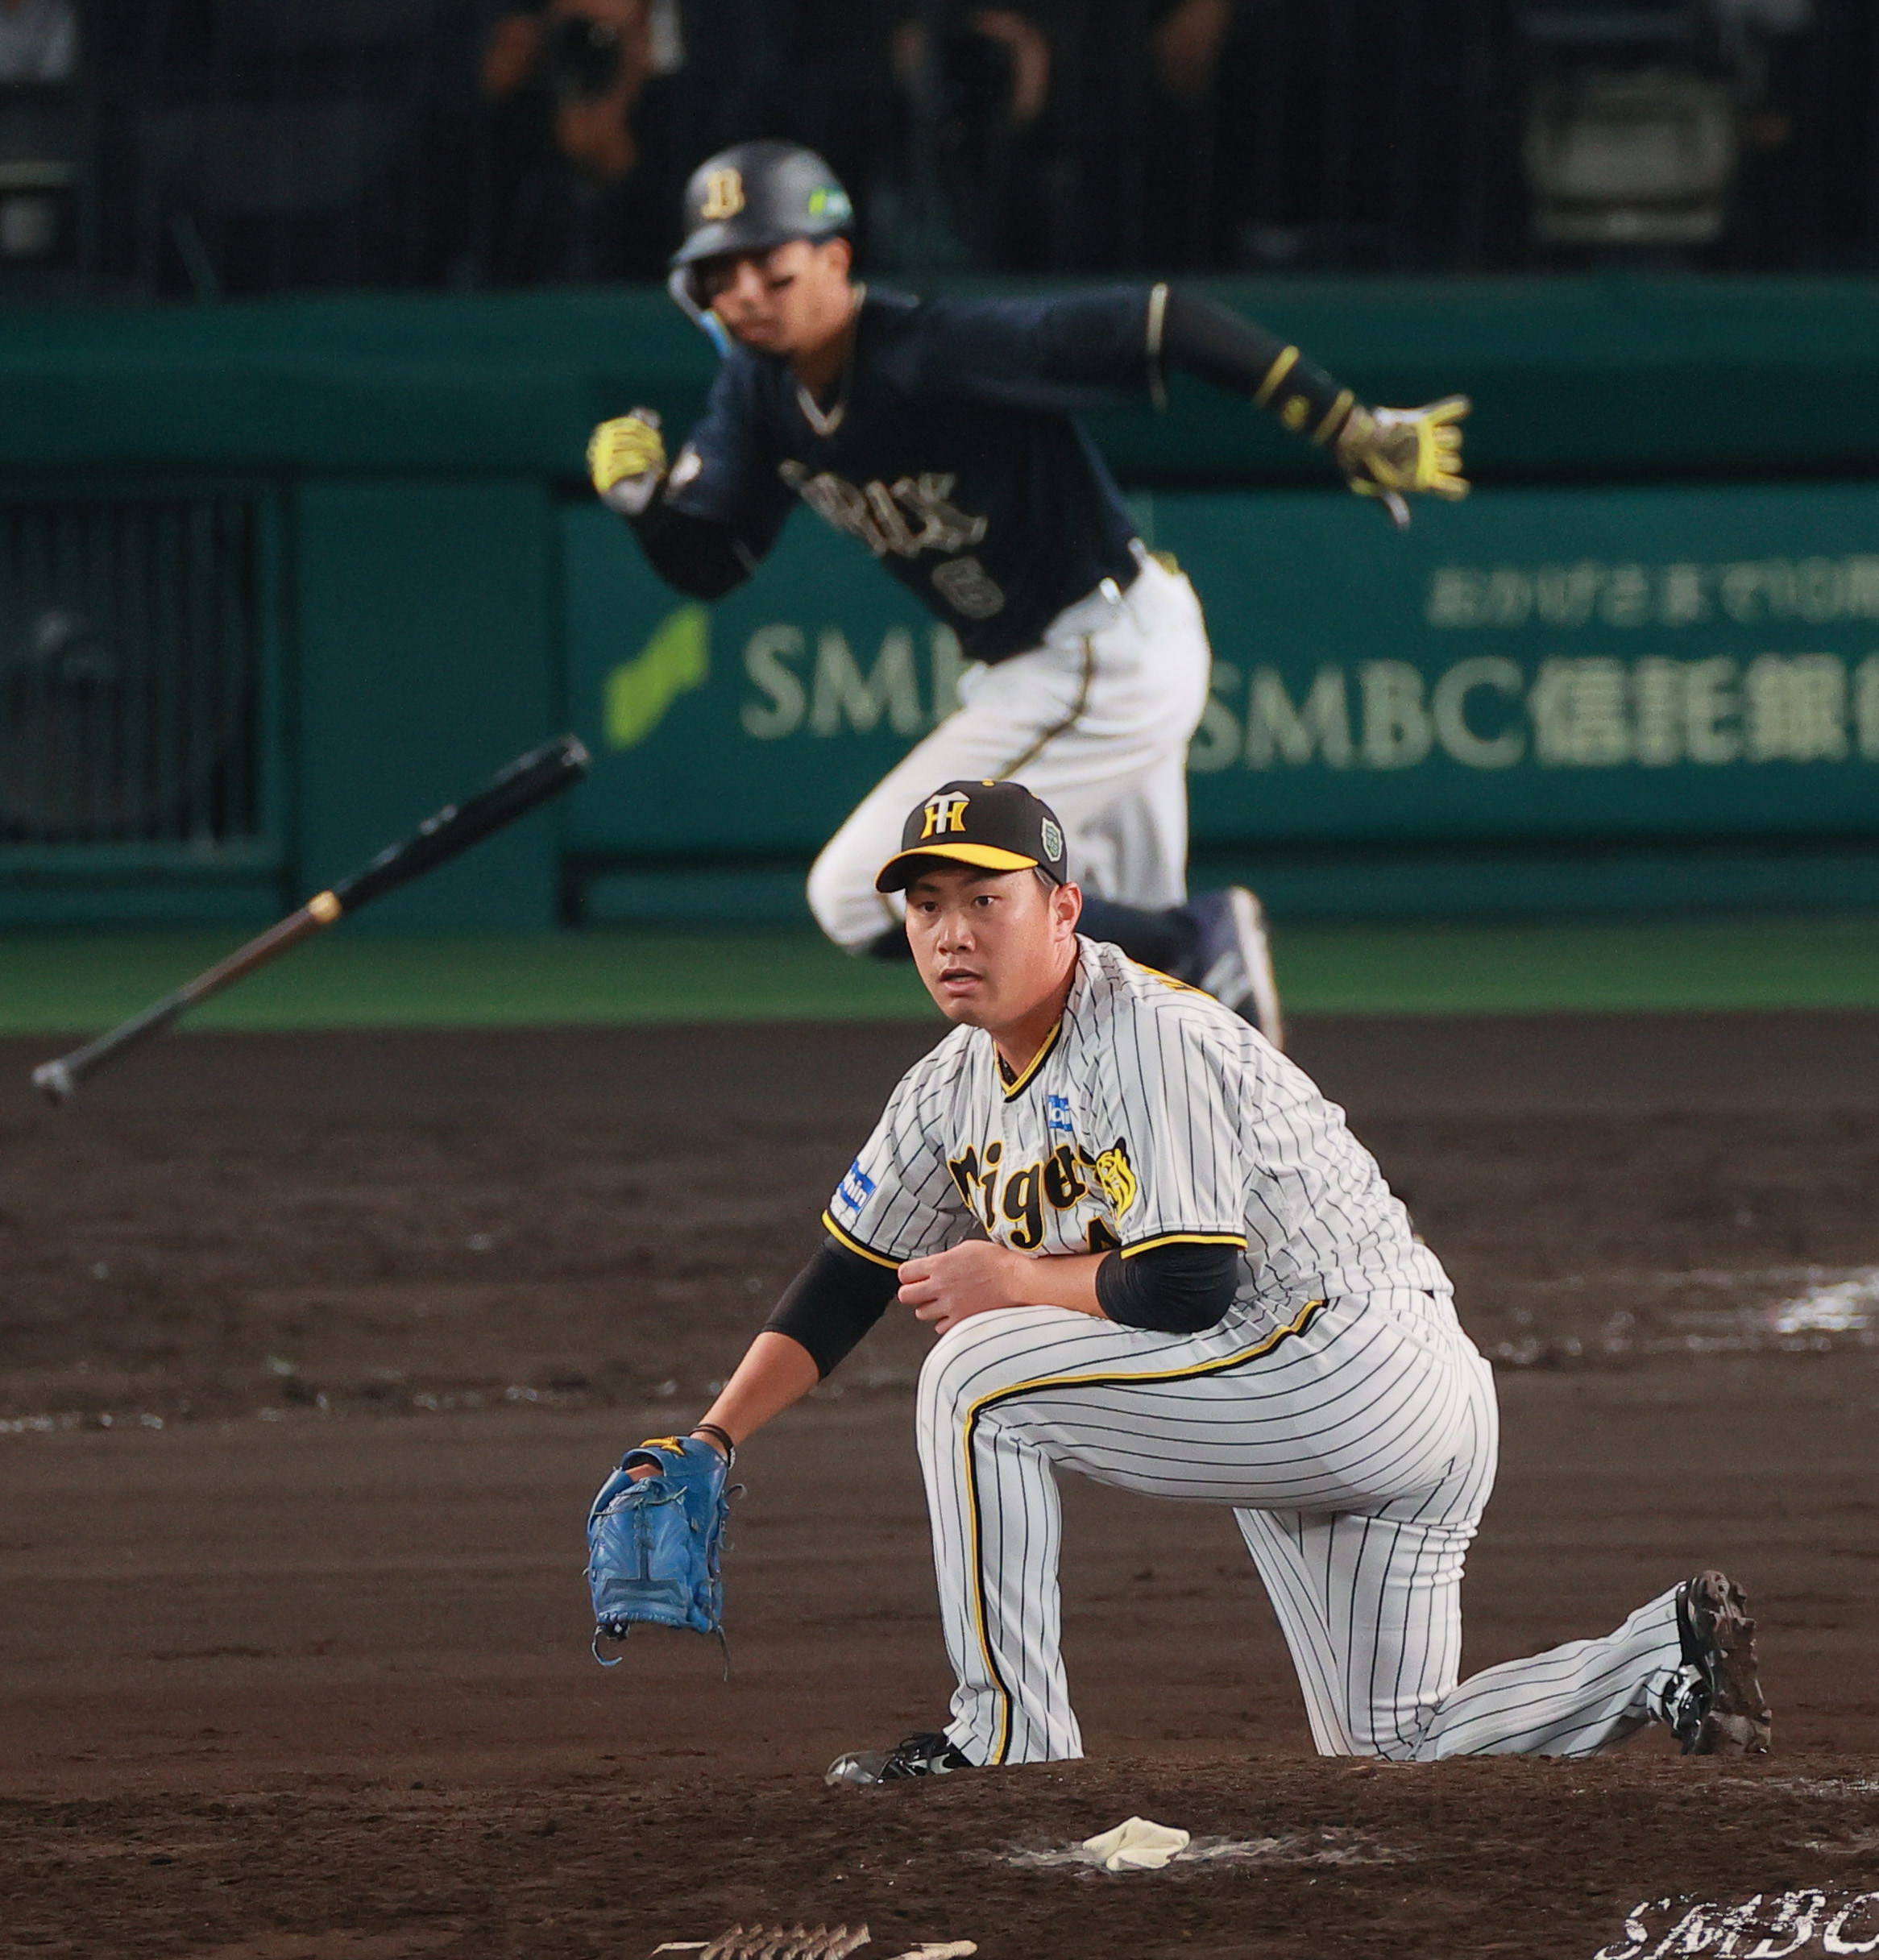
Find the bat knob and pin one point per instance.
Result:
(54, 1080)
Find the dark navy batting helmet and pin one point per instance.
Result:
(756, 195)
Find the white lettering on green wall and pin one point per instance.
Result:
(1396, 734)
(1278, 732)
(767, 655)
(835, 696)
(844, 697)
(1485, 712)
(1574, 712)
(1491, 676)
(1749, 591)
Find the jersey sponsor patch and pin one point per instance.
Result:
(1057, 1116)
(855, 1188)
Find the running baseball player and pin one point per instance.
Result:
(940, 434)
(1154, 1254)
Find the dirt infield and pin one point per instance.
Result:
(313, 1350)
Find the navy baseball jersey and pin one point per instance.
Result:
(948, 449)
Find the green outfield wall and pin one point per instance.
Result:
(1640, 666)
(1615, 673)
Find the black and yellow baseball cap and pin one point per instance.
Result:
(998, 827)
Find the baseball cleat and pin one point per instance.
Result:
(1715, 1707)
(923, 1755)
(1233, 960)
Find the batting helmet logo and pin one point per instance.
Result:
(757, 196)
(723, 194)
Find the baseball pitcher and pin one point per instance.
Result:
(940, 435)
(1153, 1253)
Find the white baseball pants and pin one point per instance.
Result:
(1096, 721)
(1357, 1444)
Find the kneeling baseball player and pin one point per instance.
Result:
(940, 434)
(1153, 1253)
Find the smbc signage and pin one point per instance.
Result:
(1547, 664)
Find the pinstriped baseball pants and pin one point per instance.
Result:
(1355, 1441)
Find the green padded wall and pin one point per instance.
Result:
(1555, 667)
(1571, 376)
(451, 595)
(426, 660)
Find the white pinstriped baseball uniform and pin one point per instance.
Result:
(1338, 1407)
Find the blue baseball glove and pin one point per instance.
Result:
(654, 1542)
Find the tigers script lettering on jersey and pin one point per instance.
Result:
(1152, 1116)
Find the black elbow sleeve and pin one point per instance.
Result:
(832, 1302)
(1204, 338)
(1179, 1289)
(701, 559)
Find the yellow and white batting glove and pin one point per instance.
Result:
(626, 458)
(1393, 453)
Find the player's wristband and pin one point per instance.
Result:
(1239, 355)
(722, 1435)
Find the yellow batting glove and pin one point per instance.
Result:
(1392, 453)
(626, 458)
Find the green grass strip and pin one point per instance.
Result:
(63, 982)
(1667, 967)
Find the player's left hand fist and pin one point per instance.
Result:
(951, 1285)
(626, 459)
(1392, 453)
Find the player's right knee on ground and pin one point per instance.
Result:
(843, 897)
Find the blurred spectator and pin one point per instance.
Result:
(1141, 90)
(974, 142)
(564, 77)
(39, 41)
(1188, 41)
(592, 58)
(40, 135)
(600, 110)
(1066, 135)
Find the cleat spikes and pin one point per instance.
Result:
(796, 1942)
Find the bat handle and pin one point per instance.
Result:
(54, 1080)
(59, 1078)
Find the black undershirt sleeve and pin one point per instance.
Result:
(832, 1302)
(701, 559)
(1210, 341)
(1178, 1289)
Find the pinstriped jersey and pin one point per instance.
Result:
(1153, 1115)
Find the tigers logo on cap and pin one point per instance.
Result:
(989, 825)
(945, 813)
